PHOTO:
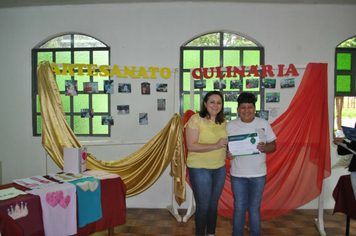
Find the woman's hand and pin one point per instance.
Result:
(222, 143)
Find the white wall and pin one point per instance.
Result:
(150, 34)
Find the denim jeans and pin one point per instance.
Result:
(207, 185)
(247, 197)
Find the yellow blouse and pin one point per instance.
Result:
(209, 132)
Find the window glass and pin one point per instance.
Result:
(206, 52)
(345, 85)
(75, 49)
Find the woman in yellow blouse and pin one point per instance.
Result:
(206, 140)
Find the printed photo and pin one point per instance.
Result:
(86, 113)
(199, 84)
(161, 104)
(143, 118)
(262, 114)
(123, 109)
(287, 83)
(227, 113)
(108, 86)
(124, 88)
(273, 97)
(90, 87)
(235, 84)
(269, 83)
(161, 87)
(231, 97)
(71, 88)
(107, 120)
(251, 83)
(145, 88)
(219, 84)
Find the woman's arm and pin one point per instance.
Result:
(192, 137)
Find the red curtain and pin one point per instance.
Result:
(296, 170)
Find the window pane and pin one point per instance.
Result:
(191, 59)
(38, 103)
(186, 102)
(101, 57)
(81, 57)
(237, 41)
(44, 56)
(65, 102)
(68, 120)
(80, 102)
(343, 61)
(211, 58)
(100, 102)
(231, 58)
(251, 57)
(186, 81)
(63, 57)
(350, 43)
(83, 41)
(59, 42)
(39, 124)
(98, 128)
(81, 125)
(61, 81)
(206, 40)
(343, 83)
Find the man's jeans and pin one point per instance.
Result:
(207, 185)
(247, 197)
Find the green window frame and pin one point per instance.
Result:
(82, 49)
(219, 49)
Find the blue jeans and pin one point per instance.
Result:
(247, 197)
(207, 185)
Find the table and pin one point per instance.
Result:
(113, 203)
(345, 200)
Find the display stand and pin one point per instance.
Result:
(191, 204)
(319, 222)
(173, 207)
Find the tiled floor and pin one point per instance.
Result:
(156, 222)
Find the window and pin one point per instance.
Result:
(79, 49)
(345, 84)
(219, 49)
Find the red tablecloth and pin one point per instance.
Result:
(113, 203)
(32, 223)
(344, 197)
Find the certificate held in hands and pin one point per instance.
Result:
(244, 144)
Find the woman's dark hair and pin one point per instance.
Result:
(246, 97)
(220, 118)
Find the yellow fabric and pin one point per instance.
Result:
(139, 170)
(209, 132)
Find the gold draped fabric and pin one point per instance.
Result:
(139, 170)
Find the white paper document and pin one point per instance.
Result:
(244, 144)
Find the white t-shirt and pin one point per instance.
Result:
(251, 165)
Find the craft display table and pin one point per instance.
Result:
(345, 200)
(113, 203)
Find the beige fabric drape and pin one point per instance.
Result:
(139, 170)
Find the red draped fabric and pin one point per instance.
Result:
(296, 170)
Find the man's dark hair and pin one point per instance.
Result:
(246, 97)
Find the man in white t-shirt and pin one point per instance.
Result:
(248, 172)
